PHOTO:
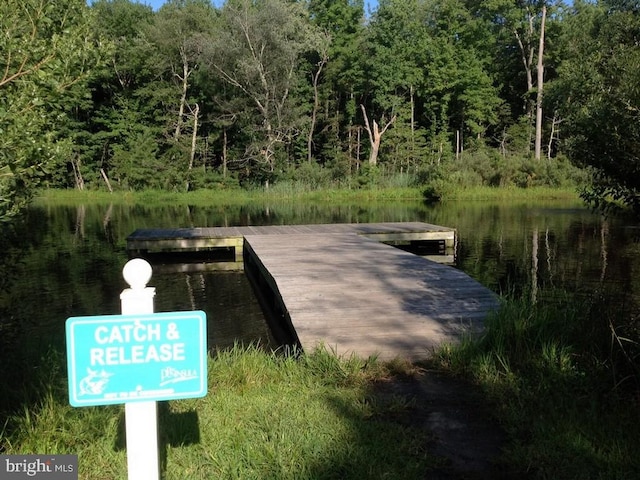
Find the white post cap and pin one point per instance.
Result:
(137, 273)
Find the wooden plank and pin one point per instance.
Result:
(359, 296)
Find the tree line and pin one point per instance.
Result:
(115, 95)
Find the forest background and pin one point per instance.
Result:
(432, 93)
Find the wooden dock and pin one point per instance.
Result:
(231, 239)
(358, 296)
(345, 286)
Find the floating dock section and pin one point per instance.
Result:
(438, 242)
(345, 286)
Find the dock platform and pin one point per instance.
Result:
(358, 296)
(345, 286)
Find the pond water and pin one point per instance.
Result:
(67, 261)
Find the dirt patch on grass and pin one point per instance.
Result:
(463, 434)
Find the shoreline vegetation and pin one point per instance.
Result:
(293, 192)
(566, 398)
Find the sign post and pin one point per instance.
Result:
(137, 358)
(141, 418)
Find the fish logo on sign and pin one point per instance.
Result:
(94, 383)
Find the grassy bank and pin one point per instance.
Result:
(266, 416)
(566, 399)
(288, 192)
(563, 377)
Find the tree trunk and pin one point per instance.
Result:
(555, 133)
(183, 97)
(538, 147)
(77, 174)
(106, 180)
(194, 137)
(534, 266)
(224, 153)
(375, 135)
(316, 104)
(412, 160)
(526, 54)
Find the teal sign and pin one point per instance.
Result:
(128, 358)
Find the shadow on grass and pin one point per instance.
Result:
(175, 429)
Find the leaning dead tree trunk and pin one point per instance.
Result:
(186, 73)
(316, 104)
(106, 180)
(77, 174)
(194, 138)
(538, 143)
(375, 135)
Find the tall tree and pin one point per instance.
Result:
(343, 77)
(518, 57)
(424, 54)
(599, 80)
(323, 58)
(540, 84)
(256, 50)
(399, 51)
(180, 33)
(124, 122)
(47, 48)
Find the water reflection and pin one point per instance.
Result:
(233, 312)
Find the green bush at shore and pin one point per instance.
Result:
(481, 174)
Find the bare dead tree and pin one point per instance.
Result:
(538, 140)
(375, 134)
(324, 58)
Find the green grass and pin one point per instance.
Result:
(552, 373)
(265, 416)
(513, 193)
(289, 192)
(226, 197)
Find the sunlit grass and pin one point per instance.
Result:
(290, 191)
(283, 193)
(269, 415)
(265, 416)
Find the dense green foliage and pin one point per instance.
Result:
(46, 49)
(600, 82)
(117, 96)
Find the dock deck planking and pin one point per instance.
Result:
(356, 295)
